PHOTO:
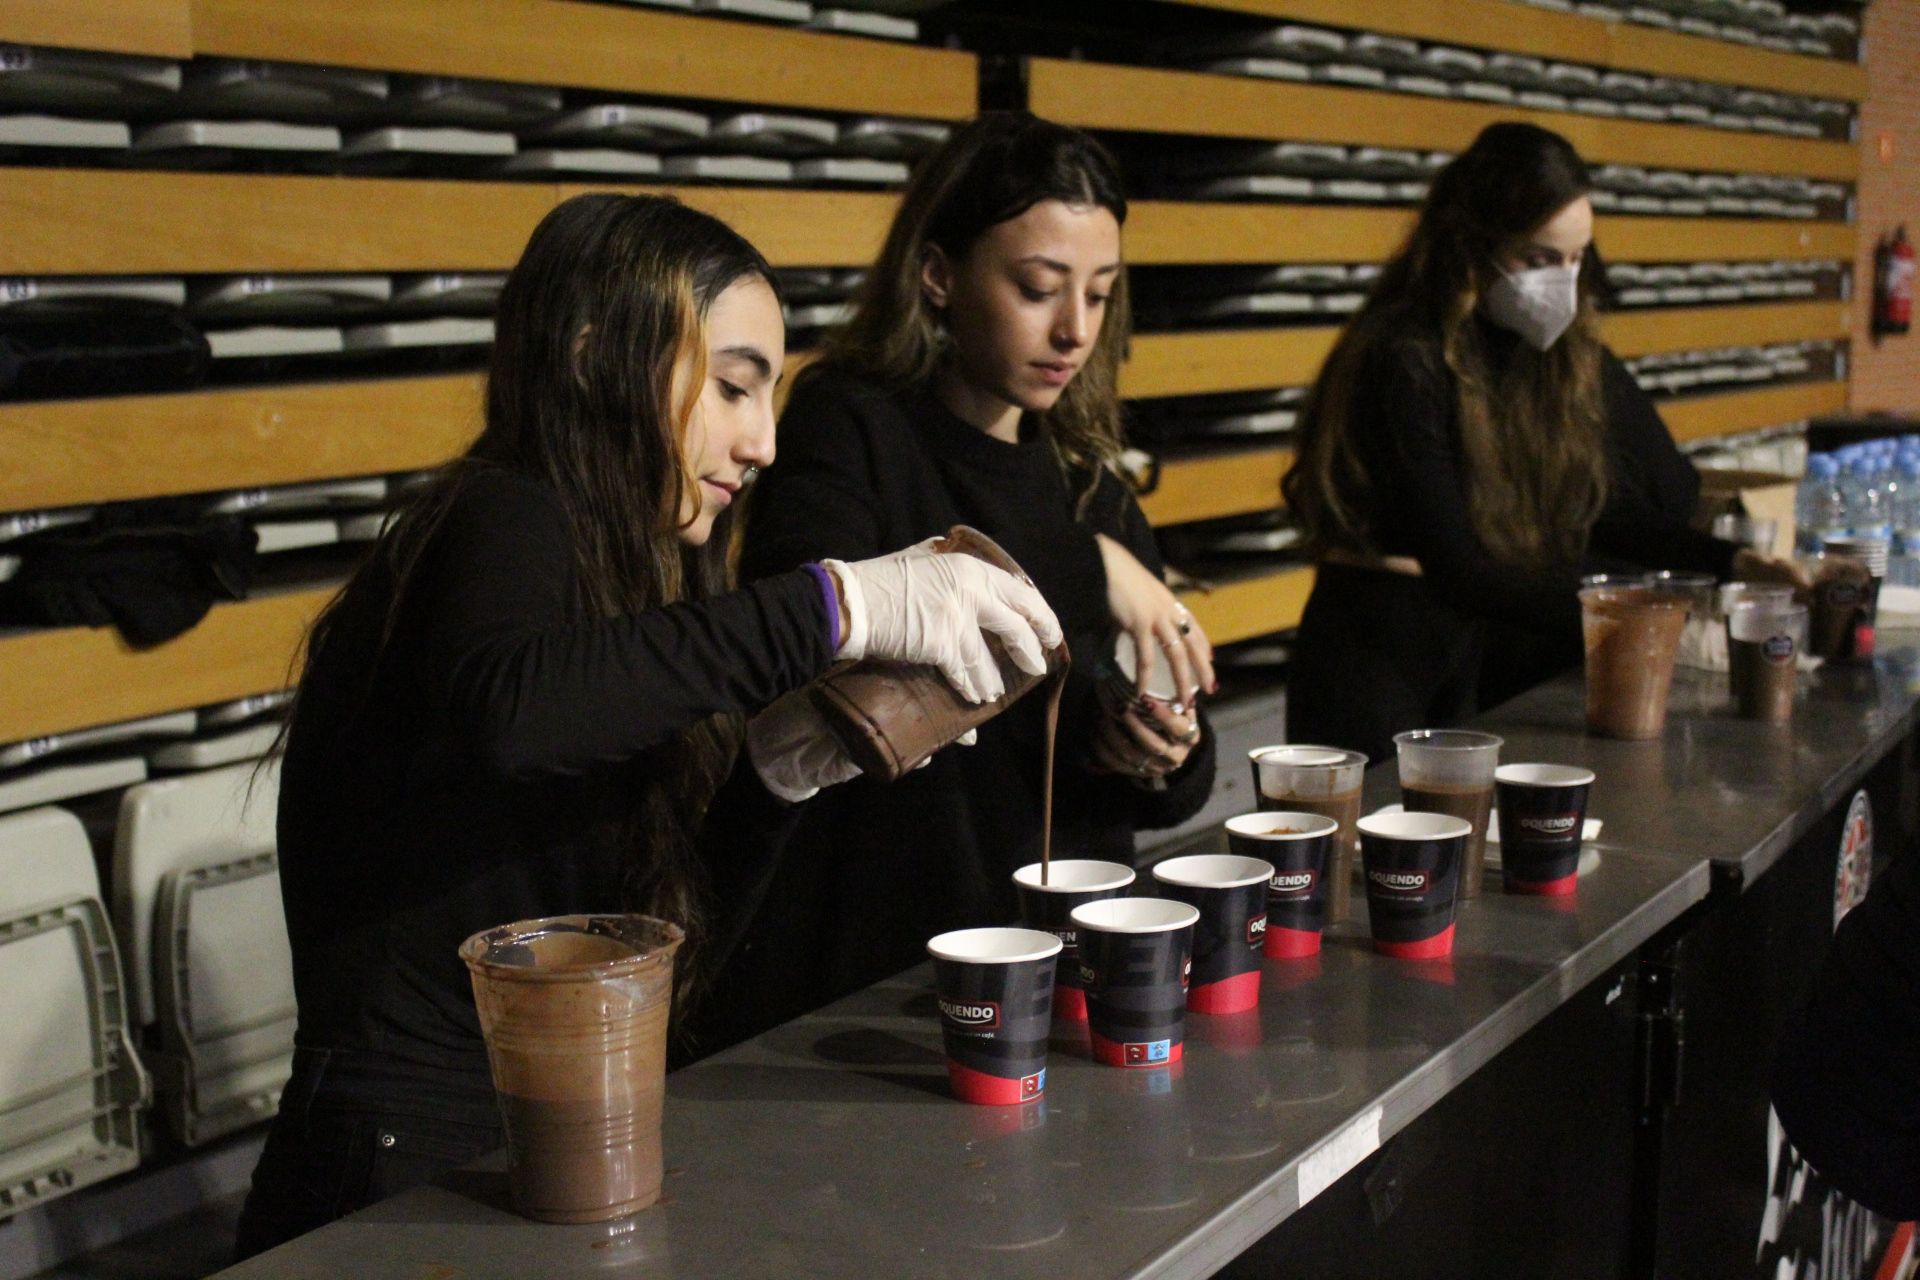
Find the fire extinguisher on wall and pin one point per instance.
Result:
(1893, 279)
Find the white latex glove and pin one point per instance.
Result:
(923, 607)
(794, 752)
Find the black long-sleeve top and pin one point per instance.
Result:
(873, 871)
(1405, 422)
(482, 777)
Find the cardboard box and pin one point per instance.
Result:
(1764, 495)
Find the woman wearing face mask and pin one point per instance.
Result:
(1469, 448)
(975, 384)
(526, 701)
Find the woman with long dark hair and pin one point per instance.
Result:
(976, 383)
(1469, 447)
(529, 701)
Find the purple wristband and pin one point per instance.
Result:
(830, 597)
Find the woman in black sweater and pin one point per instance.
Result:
(528, 701)
(1469, 447)
(976, 383)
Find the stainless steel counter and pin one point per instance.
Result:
(829, 1148)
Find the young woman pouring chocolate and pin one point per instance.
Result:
(531, 698)
(1469, 449)
(976, 383)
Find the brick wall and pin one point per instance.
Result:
(1888, 376)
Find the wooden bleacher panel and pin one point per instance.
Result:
(1152, 100)
(1224, 484)
(1252, 606)
(150, 28)
(1624, 46)
(97, 221)
(76, 676)
(598, 46)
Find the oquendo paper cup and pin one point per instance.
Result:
(1300, 847)
(1230, 893)
(995, 992)
(1070, 882)
(1412, 865)
(1542, 810)
(1134, 958)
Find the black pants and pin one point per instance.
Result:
(1379, 653)
(353, 1129)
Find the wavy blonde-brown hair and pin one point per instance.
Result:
(1532, 428)
(993, 169)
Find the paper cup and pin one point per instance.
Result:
(995, 992)
(1230, 893)
(1413, 874)
(1300, 848)
(1542, 810)
(1134, 959)
(1071, 882)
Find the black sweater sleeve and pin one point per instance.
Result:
(1405, 422)
(532, 691)
(1653, 489)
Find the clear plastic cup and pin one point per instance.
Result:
(1451, 771)
(1632, 635)
(574, 1011)
(1307, 778)
(1765, 639)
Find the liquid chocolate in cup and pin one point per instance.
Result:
(1631, 635)
(1764, 643)
(1451, 771)
(574, 1011)
(890, 716)
(1305, 778)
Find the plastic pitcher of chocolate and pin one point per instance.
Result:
(574, 1010)
(890, 716)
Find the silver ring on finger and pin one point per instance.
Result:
(1192, 735)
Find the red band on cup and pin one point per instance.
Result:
(1290, 944)
(1545, 888)
(1229, 995)
(1112, 1053)
(1440, 944)
(993, 1091)
(1069, 1004)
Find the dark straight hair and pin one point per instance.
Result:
(990, 171)
(1532, 428)
(609, 300)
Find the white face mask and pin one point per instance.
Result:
(1538, 304)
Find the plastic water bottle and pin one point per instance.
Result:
(1903, 560)
(1820, 507)
(1866, 503)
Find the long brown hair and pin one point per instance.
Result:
(609, 298)
(1532, 430)
(991, 170)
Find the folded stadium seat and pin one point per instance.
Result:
(196, 902)
(70, 1081)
